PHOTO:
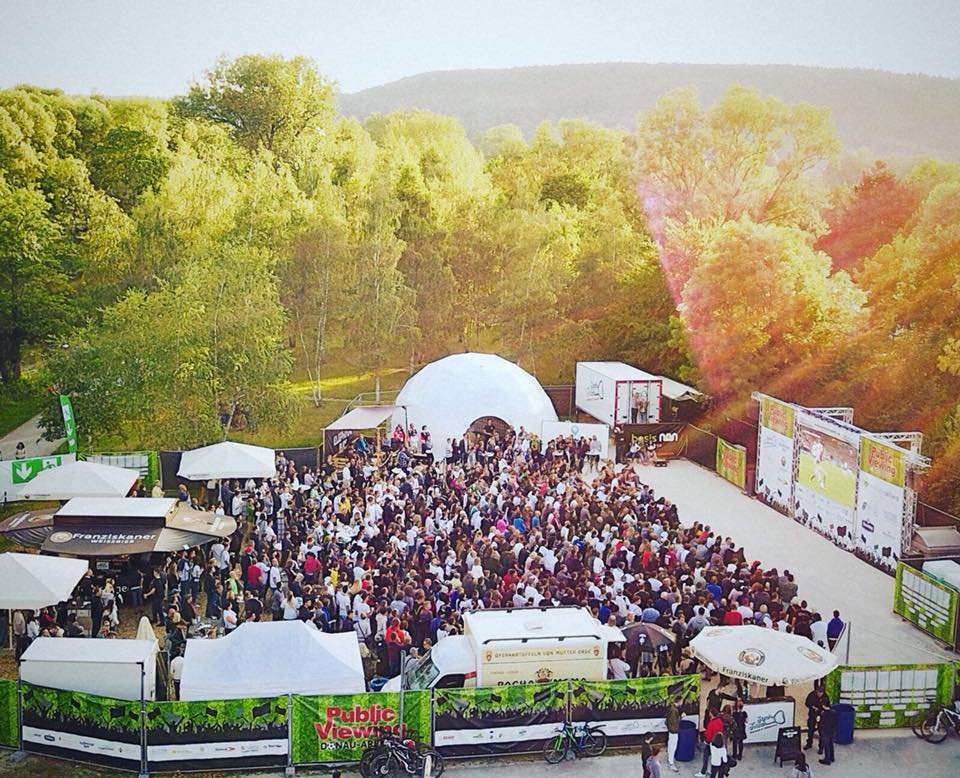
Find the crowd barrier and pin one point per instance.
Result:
(291, 730)
(886, 696)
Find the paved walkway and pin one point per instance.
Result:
(30, 433)
(829, 578)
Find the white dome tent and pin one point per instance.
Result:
(452, 393)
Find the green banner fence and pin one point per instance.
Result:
(9, 726)
(927, 603)
(887, 696)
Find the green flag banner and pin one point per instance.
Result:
(338, 728)
(69, 423)
(732, 463)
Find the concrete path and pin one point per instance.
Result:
(30, 433)
(870, 756)
(829, 578)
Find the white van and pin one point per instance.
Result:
(515, 645)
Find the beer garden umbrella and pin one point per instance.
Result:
(762, 655)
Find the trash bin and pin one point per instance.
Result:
(377, 684)
(845, 718)
(686, 742)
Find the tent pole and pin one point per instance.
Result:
(143, 722)
(291, 768)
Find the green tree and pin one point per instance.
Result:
(34, 292)
(265, 101)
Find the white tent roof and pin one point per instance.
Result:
(450, 394)
(80, 479)
(363, 418)
(621, 371)
(268, 658)
(119, 507)
(507, 624)
(93, 651)
(227, 460)
(31, 582)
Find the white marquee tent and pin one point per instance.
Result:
(32, 582)
(227, 460)
(268, 658)
(80, 479)
(450, 394)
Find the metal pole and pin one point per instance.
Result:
(400, 727)
(143, 723)
(849, 634)
(21, 754)
(290, 767)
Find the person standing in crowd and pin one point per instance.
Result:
(828, 733)
(834, 630)
(801, 769)
(718, 756)
(713, 727)
(653, 763)
(814, 705)
(176, 671)
(673, 733)
(739, 730)
(157, 490)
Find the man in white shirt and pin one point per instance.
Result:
(176, 672)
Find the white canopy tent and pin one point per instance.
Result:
(762, 655)
(268, 658)
(80, 479)
(448, 395)
(122, 669)
(366, 418)
(32, 582)
(227, 460)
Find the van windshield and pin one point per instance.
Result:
(421, 675)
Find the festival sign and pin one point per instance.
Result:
(81, 727)
(925, 602)
(825, 493)
(14, 473)
(732, 463)
(668, 440)
(216, 734)
(515, 719)
(338, 728)
(634, 711)
(775, 454)
(880, 503)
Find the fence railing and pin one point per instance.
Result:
(290, 730)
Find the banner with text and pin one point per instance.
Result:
(732, 463)
(81, 727)
(880, 503)
(925, 602)
(775, 454)
(69, 423)
(338, 728)
(515, 719)
(216, 734)
(632, 711)
(14, 473)
(667, 440)
(825, 494)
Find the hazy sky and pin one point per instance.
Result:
(123, 47)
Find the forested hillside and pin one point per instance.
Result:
(173, 264)
(887, 113)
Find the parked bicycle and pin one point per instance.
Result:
(575, 739)
(397, 756)
(939, 721)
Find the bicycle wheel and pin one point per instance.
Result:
(555, 749)
(935, 728)
(595, 742)
(916, 723)
(384, 765)
(367, 759)
(436, 761)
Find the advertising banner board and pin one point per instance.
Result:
(498, 720)
(775, 454)
(338, 728)
(732, 463)
(880, 503)
(668, 440)
(926, 603)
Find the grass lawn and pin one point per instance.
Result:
(17, 407)
(338, 391)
